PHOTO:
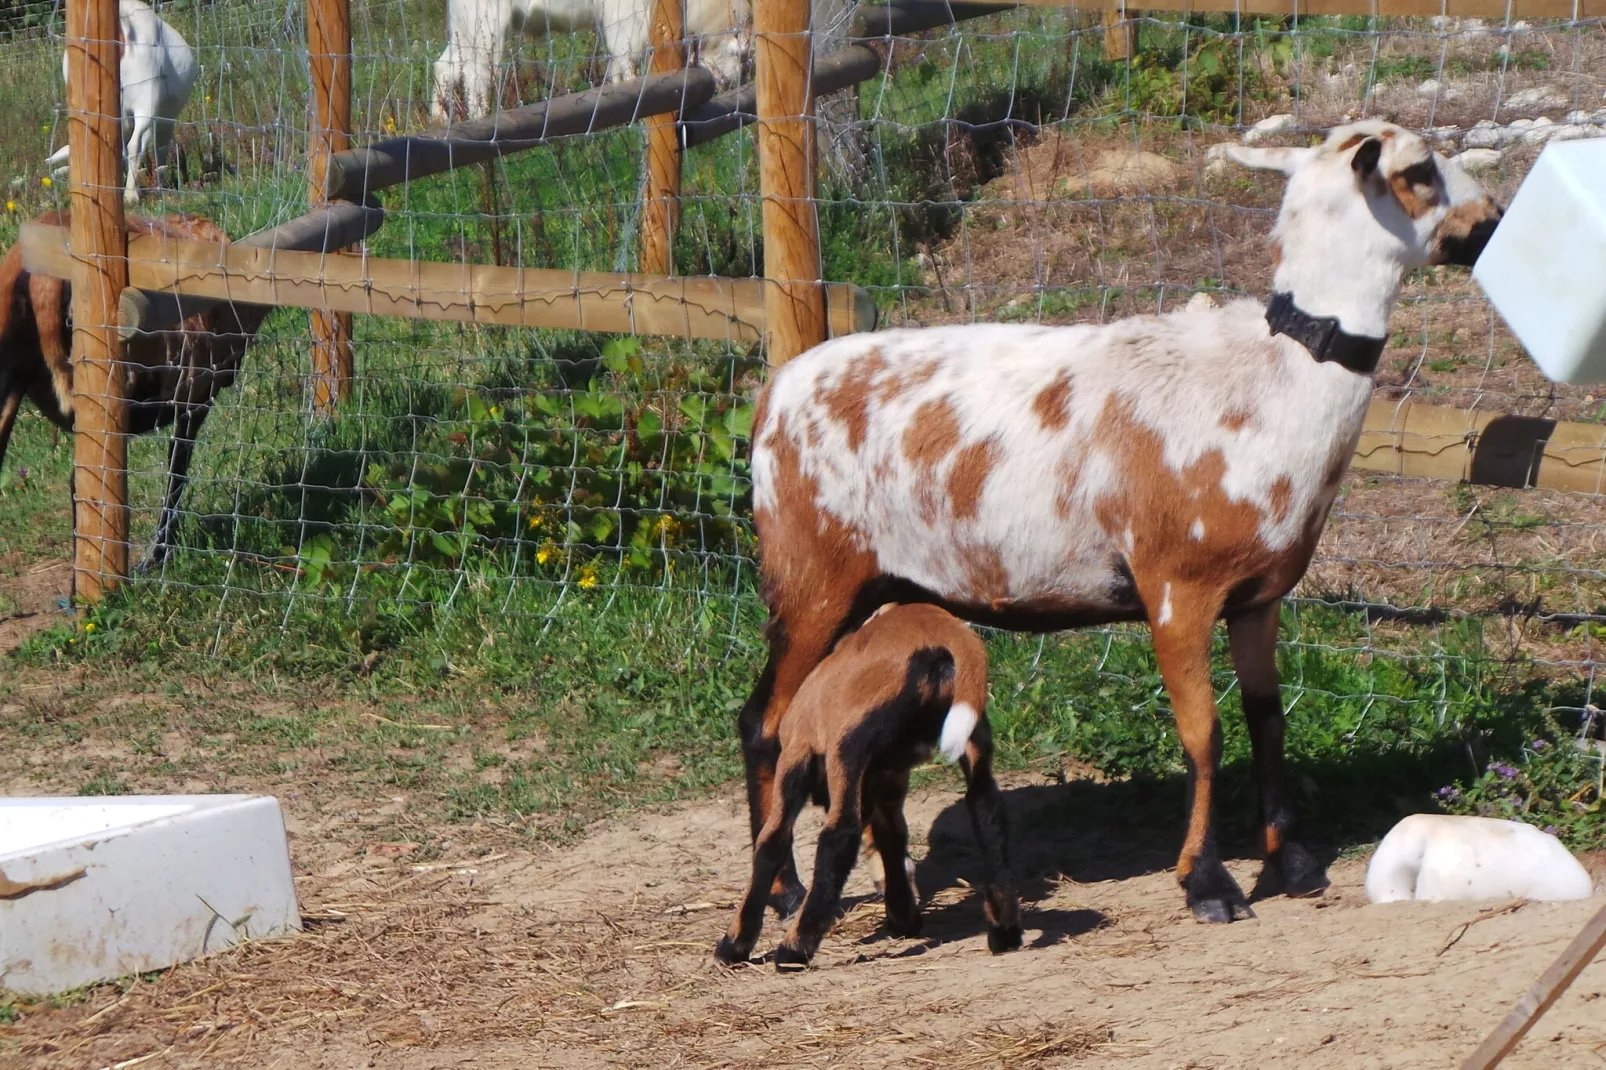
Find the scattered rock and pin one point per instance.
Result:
(1267, 128)
(1486, 134)
(1128, 171)
(1576, 133)
(1201, 302)
(1479, 159)
(1541, 131)
(1578, 118)
(1537, 98)
(1433, 89)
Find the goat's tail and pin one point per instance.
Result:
(968, 706)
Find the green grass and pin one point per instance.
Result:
(513, 574)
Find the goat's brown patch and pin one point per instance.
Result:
(848, 401)
(1068, 478)
(1052, 404)
(931, 434)
(1281, 498)
(969, 475)
(1416, 188)
(1236, 419)
(986, 578)
(1351, 141)
(905, 380)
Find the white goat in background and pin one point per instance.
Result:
(476, 33)
(157, 69)
(1439, 856)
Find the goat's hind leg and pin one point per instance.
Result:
(1289, 866)
(991, 825)
(1182, 646)
(884, 798)
(771, 849)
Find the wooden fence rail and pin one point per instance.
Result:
(690, 307)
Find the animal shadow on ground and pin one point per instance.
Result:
(1082, 831)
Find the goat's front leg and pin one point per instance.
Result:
(186, 426)
(772, 849)
(1182, 619)
(797, 644)
(991, 824)
(139, 143)
(834, 856)
(1253, 636)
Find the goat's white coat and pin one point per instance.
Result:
(1346, 245)
(157, 73)
(1442, 857)
(956, 729)
(476, 32)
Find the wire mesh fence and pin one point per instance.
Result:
(483, 482)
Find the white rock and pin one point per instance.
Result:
(1520, 124)
(1268, 127)
(1473, 28)
(1576, 133)
(1519, 27)
(1537, 97)
(1429, 88)
(1479, 159)
(1443, 133)
(1485, 135)
(1577, 118)
(1599, 117)
(1541, 134)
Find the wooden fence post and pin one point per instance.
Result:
(1120, 34)
(100, 271)
(794, 302)
(329, 60)
(660, 210)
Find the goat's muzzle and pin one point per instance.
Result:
(1465, 231)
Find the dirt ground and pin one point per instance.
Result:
(598, 954)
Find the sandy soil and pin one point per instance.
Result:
(598, 955)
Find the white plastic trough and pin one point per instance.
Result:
(97, 888)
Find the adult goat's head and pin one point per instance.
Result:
(1373, 187)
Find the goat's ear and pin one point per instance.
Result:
(1367, 153)
(1281, 159)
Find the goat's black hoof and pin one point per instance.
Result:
(1303, 876)
(786, 902)
(1003, 938)
(727, 953)
(790, 959)
(908, 925)
(1213, 896)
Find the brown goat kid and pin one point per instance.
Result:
(169, 377)
(911, 680)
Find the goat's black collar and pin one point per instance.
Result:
(1323, 337)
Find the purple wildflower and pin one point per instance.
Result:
(1448, 793)
(1550, 830)
(22, 472)
(1538, 745)
(1503, 771)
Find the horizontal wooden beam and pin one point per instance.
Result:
(689, 307)
(1498, 10)
(1408, 439)
(322, 230)
(356, 173)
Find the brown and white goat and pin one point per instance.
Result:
(1174, 469)
(910, 681)
(169, 377)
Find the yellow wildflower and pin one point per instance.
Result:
(536, 521)
(44, 180)
(588, 578)
(11, 206)
(90, 626)
(390, 124)
(543, 555)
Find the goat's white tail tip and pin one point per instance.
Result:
(956, 729)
